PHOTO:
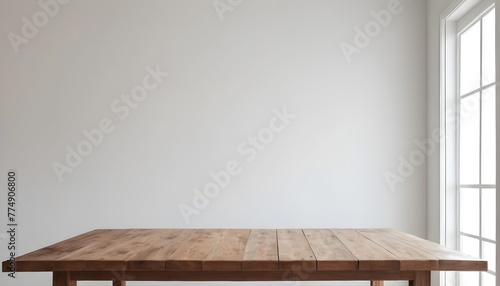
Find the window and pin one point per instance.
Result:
(469, 162)
(477, 145)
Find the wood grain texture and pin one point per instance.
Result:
(227, 253)
(370, 255)
(449, 259)
(330, 253)
(376, 283)
(100, 254)
(43, 259)
(193, 250)
(294, 251)
(410, 257)
(261, 252)
(160, 246)
(346, 275)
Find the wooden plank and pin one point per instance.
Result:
(43, 259)
(160, 246)
(411, 258)
(261, 252)
(330, 253)
(449, 259)
(65, 246)
(294, 251)
(97, 254)
(342, 275)
(227, 253)
(376, 283)
(116, 256)
(191, 253)
(370, 255)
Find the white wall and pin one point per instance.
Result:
(353, 121)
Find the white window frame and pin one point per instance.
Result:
(455, 18)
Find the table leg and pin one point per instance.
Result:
(422, 278)
(377, 283)
(62, 279)
(118, 283)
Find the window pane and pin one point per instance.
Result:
(489, 253)
(469, 139)
(488, 134)
(488, 279)
(469, 245)
(489, 47)
(470, 59)
(469, 211)
(488, 213)
(469, 278)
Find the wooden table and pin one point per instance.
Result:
(121, 255)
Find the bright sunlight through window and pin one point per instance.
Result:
(476, 147)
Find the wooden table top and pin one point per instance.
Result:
(246, 250)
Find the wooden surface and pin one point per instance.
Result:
(377, 283)
(260, 251)
(301, 253)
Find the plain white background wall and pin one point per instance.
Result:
(353, 121)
